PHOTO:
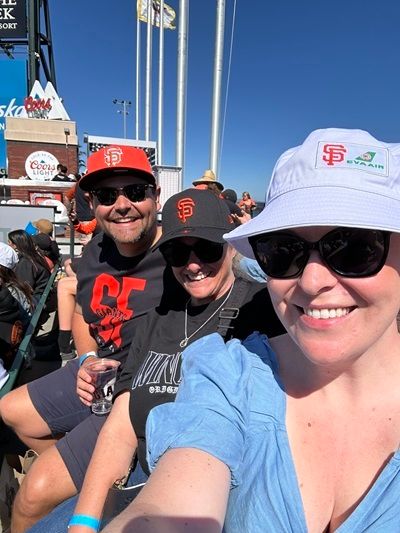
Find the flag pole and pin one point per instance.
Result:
(181, 85)
(148, 70)
(216, 103)
(137, 118)
(161, 87)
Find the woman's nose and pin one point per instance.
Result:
(193, 260)
(316, 276)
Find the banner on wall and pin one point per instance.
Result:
(13, 89)
(41, 165)
(13, 19)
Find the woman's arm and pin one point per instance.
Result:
(188, 491)
(111, 459)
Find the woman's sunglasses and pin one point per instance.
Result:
(134, 193)
(349, 252)
(177, 253)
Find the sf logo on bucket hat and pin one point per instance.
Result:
(112, 156)
(185, 209)
(334, 153)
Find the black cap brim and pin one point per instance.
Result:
(208, 234)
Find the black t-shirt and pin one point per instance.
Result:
(115, 291)
(152, 371)
(61, 177)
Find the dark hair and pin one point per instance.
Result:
(26, 248)
(8, 277)
(62, 168)
(214, 188)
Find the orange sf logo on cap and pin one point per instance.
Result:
(112, 156)
(185, 209)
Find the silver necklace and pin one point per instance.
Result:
(184, 342)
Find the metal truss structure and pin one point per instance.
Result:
(38, 42)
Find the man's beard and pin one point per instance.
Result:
(128, 236)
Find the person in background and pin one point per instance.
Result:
(239, 215)
(230, 197)
(15, 309)
(299, 433)
(79, 210)
(247, 203)
(47, 248)
(45, 227)
(62, 174)
(248, 268)
(32, 266)
(209, 181)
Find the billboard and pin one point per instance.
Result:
(13, 90)
(13, 19)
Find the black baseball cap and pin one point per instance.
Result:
(195, 213)
(229, 194)
(43, 241)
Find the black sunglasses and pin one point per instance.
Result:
(134, 193)
(177, 253)
(349, 252)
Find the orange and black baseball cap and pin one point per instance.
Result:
(116, 159)
(195, 213)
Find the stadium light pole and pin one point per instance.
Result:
(124, 111)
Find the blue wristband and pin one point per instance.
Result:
(84, 520)
(83, 357)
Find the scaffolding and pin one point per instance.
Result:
(33, 32)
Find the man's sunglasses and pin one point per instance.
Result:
(177, 253)
(134, 193)
(349, 252)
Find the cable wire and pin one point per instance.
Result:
(227, 86)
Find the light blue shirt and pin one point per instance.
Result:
(252, 269)
(231, 404)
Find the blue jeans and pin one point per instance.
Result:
(57, 521)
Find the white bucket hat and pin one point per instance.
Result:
(8, 256)
(337, 177)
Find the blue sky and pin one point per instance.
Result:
(296, 66)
